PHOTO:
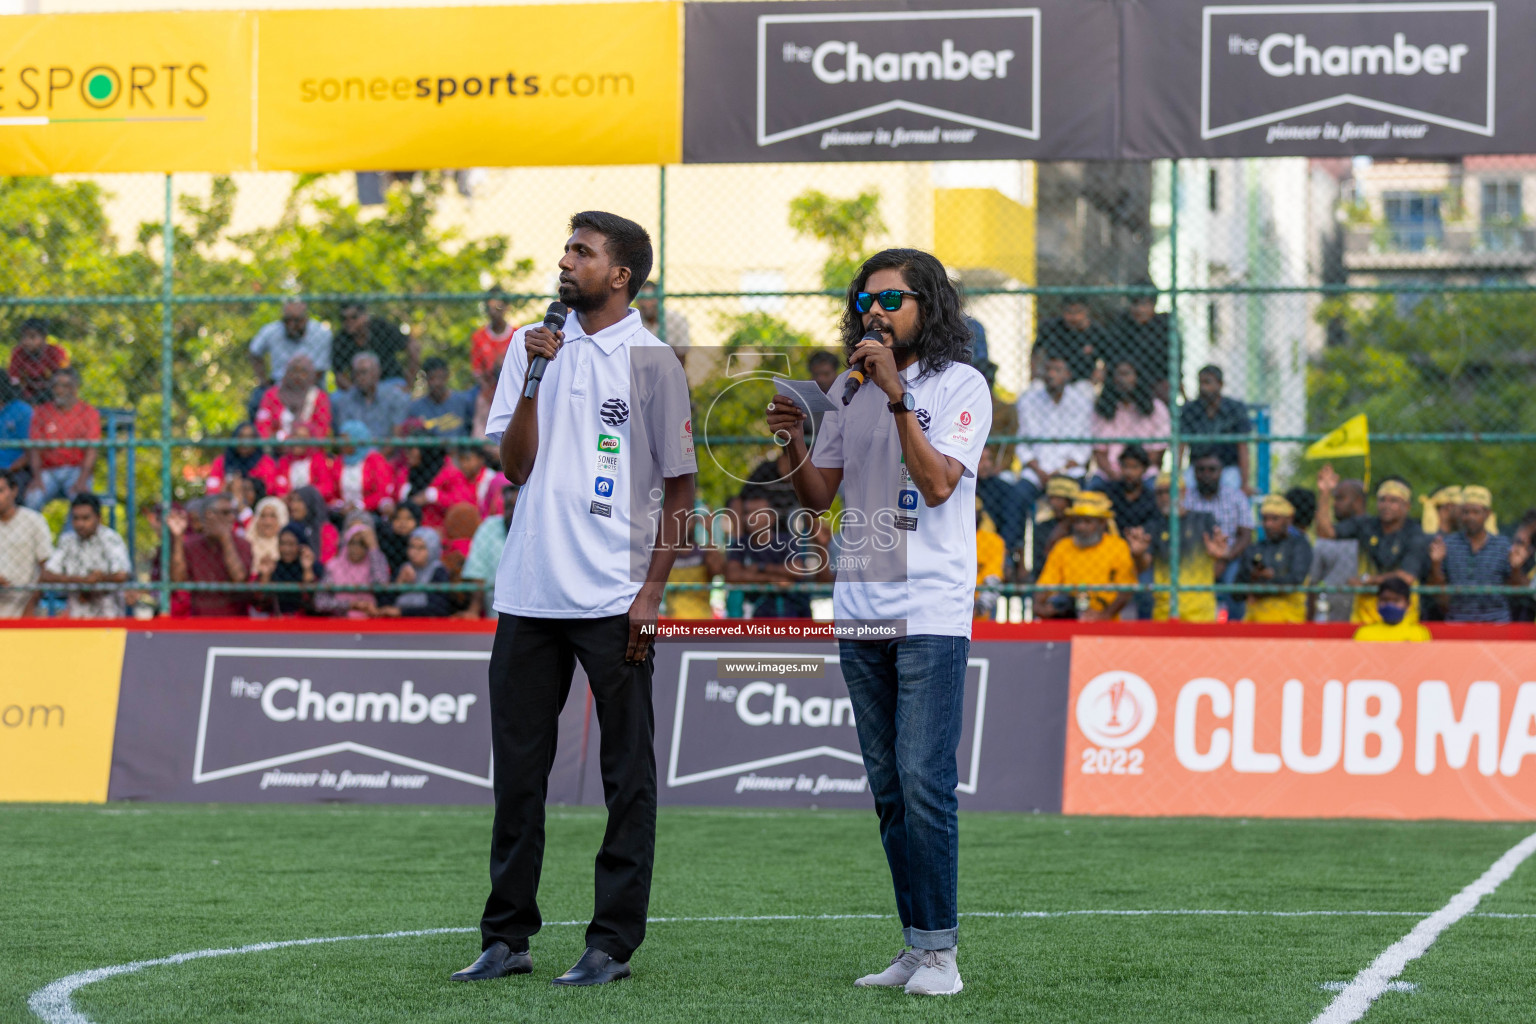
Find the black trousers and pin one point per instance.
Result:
(532, 662)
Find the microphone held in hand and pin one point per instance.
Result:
(554, 319)
(855, 379)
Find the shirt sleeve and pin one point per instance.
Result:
(1054, 572)
(117, 554)
(42, 540)
(669, 416)
(1124, 568)
(1415, 561)
(259, 343)
(55, 562)
(509, 388)
(963, 420)
(828, 453)
(479, 565)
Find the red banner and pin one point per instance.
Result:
(1301, 728)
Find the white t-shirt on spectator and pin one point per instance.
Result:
(25, 544)
(1041, 418)
(106, 552)
(934, 590)
(614, 422)
(273, 342)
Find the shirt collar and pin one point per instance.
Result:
(611, 337)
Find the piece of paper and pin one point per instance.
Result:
(807, 395)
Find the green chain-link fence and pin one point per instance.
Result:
(1321, 289)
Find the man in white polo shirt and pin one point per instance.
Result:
(604, 457)
(904, 453)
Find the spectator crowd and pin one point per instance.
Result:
(383, 492)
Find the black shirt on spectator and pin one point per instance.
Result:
(1145, 345)
(1140, 511)
(781, 492)
(1231, 417)
(1403, 551)
(1081, 349)
(384, 341)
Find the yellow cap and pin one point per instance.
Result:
(1094, 504)
(1394, 489)
(1444, 496)
(1276, 505)
(1062, 487)
(1164, 479)
(1475, 495)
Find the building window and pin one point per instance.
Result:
(1501, 215)
(1413, 220)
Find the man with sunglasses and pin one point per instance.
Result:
(904, 453)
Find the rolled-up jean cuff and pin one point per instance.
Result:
(943, 939)
(906, 936)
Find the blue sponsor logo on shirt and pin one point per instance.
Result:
(907, 499)
(604, 487)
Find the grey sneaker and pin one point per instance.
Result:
(896, 975)
(936, 974)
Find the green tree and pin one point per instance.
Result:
(845, 225)
(1456, 363)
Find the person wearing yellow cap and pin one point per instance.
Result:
(1280, 557)
(1051, 526)
(1442, 511)
(1391, 544)
(1090, 555)
(1473, 557)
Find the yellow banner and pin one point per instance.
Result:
(442, 87)
(58, 710)
(125, 92)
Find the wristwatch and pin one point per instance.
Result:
(906, 403)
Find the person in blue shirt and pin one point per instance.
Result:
(15, 425)
(443, 412)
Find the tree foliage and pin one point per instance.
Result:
(845, 225)
(1454, 363)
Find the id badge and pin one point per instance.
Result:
(907, 502)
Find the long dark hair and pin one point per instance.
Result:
(944, 336)
(1111, 397)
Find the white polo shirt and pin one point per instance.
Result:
(614, 421)
(922, 561)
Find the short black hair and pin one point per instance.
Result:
(1137, 452)
(431, 363)
(1203, 451)
(1214, 371)
(88, 500)
(1395, 585)
(473, 449)
(11, 479)
(356, 304)
(1073, 300)
(33, 323)
(629, 245)
(820, 357)
(67, 371)
(1305, 504)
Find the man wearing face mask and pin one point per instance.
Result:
(904, 452)
(1473, 557)
(1393, 597)
(1391, 544)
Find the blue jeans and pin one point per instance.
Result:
(908, 698)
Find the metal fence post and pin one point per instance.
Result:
(167, 366)
(661, 253)
(1175, 389)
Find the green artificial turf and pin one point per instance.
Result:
(87, 887)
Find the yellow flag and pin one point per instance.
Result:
(1352, 438)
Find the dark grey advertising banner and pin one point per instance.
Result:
(913, 80)
(1323, 79)
(324, 717)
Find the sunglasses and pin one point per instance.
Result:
(890, 300)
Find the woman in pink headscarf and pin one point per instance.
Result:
(359, 563)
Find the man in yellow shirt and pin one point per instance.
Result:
(1090, 554)
(990, 551)
(1393, 597)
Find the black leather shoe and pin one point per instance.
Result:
(594, 968)
(498, 961)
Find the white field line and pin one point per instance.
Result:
(1352, 1003)
(54, 1002)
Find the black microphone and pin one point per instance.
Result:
(855, 378)
(554, 319)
